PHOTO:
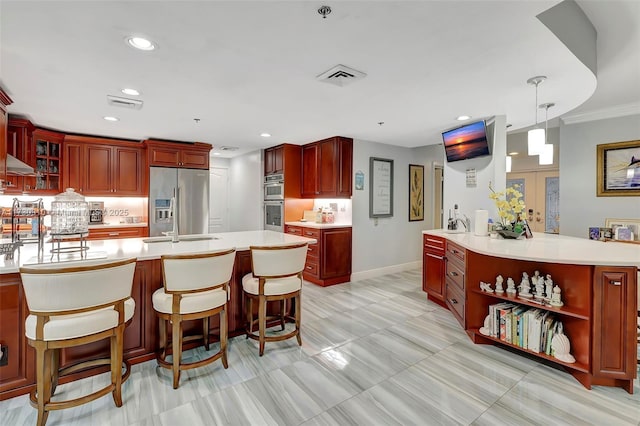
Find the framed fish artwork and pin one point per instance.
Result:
(618, 171)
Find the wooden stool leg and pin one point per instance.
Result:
(298, 310)
(43, 377)
(283, 304)
(177, 349)
(163, 338)
(262, 321)
(55, 369)
(249, 312)
(205, 332)
(223, 336)
(116, 364)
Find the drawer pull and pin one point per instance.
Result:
(454, 251)
(309, 233)
(309, 267)
(453, 273)
(434, 256)
(114, 234)
(453, 301)
(613, 282)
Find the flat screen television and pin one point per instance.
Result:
(465, 142)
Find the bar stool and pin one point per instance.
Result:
(276, 276)
(80, 303)
(195, 287)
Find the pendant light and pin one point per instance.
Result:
(508, 164)
(546, 153)
(536, 136)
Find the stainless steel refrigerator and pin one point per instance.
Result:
(191, 190)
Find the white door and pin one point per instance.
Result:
(541, 197)
(218, 199)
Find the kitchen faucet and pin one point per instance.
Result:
(453, 221)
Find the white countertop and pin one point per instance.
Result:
(319, 225)
(548, 248)
(136, 247)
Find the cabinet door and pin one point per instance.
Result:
(164, 156)
(278, 160)
(328, 168)
(194, 159)
(434, 274)
(336, 252)
(614, 322)
(269, 165)
(99, 170)
(345, 167)
(73, 171)
(128, 174)
(310, 155)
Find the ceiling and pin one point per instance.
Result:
(242, 68)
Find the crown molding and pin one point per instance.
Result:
(603, 113)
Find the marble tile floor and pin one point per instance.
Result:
(375, 352)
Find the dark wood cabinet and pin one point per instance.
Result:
(274, 160)
(285, 159)
(20, 145)
(614, 341)
(327, 168)
(329, 260)
(4, 121)
(48, 165)
(433, 268)
(99, 167)
(455, 280)
(118, 232)
(177, 154)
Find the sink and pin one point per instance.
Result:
(181, 238)
(454, 231)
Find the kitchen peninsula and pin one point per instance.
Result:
(598, 281)
(141, 336)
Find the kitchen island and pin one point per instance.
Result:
(598, 282)
(141, 335)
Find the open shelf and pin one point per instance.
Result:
(574, 366)
(563, 310)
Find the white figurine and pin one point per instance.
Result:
(486, 328)
(525, 287)
(561, 346)
(486, 287)
(548, 283)
(499, 280)
(511, 286)
(539, 283)
(555, 299)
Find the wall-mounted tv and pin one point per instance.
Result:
(465, 142)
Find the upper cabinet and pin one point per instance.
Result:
(20, 145)
(4, 102)
(177, 154)
(48, 150)
(99, 167)
(274, 160)
(285, 159)
(327, 168)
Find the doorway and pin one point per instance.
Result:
(542, 198)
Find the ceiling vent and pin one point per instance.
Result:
(124, 102)
(228, 148)
(341, 75)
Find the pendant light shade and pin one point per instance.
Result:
(546, 155)
(536, 136)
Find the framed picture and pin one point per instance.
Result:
(618, 171)
(416, 192)
(380, 187)
(632, 224)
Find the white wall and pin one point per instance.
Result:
(245, 189)
(580, 208)
(394, 241)
(488, 169)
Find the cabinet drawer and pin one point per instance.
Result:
(313, 250)
(433, 245)
(311, 268)
(295, 230)
(455, 301)
(456, 253)
(311, 233)
(113, 233)
(455, 274)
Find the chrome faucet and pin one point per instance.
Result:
(466, 222)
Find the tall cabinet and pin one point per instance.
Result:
(20, 145)
(4, 119)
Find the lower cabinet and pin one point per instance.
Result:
(119, 232)
(329, 260)
(433, 268)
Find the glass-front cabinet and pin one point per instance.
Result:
(48, 146)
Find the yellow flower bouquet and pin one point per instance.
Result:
(510, 206)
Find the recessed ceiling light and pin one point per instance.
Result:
(108, 118)
(216, 153)
(514, 153)
(265, 135)
(140, 43)
(463, 117)
(132, 92)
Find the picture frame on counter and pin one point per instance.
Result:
(618, 169)
(416, 192)
(380, 187)
(633, 225)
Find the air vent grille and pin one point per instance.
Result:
(117, 101)
(228, 148)
(341, 75)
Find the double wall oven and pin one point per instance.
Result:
(274, 202)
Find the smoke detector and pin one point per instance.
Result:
(341, 75)
(117, 101)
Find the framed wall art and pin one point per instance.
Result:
(618, 170)
(416, 192)
(380, 187)
(632, 224)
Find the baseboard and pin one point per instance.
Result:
(378, 272)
